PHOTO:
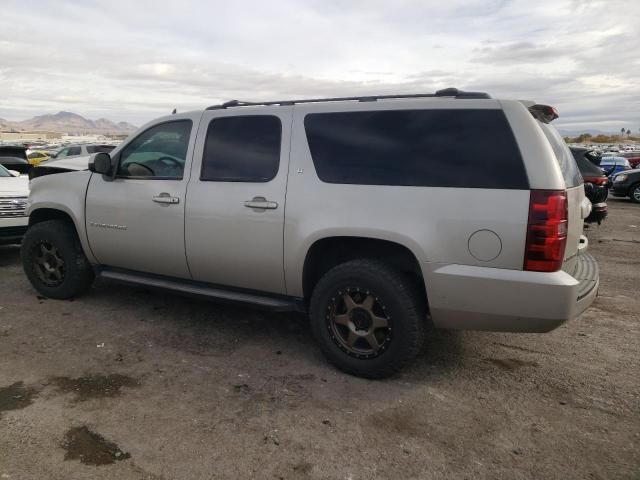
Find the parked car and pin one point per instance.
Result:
(78, 150)
(596, 183)
(14, 157)
(14, 190)
(633, 157)
(627, 184)
(378, 236)
(612, 165)
(36, 157)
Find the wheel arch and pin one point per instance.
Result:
(327, 252)
(44, 213)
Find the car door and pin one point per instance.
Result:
(136, 220)
(234, 216)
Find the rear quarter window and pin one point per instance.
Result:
(564, 157)
(436, 148)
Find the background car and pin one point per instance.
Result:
(627, 184)
(612, 165)
(633, 157)
(36, 157)
(78, 150)
(595, 183)
(14, 157)
(14, 190)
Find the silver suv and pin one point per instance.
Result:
(372, 214)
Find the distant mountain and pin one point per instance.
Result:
(574, 133)
(67, 122)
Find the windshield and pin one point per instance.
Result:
(614, 161)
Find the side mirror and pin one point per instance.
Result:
(100, 163)
(53, 154)
(15, 173)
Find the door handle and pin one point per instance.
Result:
(166, 199)
(261, 203)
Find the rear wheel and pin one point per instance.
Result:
(368, 318)
(53, 260)
(634, 193)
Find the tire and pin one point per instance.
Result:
(634, 193)
(54, 262)
(336, 321)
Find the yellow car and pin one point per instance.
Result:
(36, 157)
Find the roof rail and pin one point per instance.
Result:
(447, 92)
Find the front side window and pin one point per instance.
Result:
(242, 149)
(157, 153)
(63, 153)
(74, 151)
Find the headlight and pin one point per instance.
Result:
(620, 178)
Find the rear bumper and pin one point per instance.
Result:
(598, 213)
(480, 298)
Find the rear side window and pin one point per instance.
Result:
(564, 157)
(242, 149)
(436, 148)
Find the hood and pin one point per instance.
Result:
(627, 172)
(73, 163)
(14, 186)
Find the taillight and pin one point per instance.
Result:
(602, 180)
(546, 231)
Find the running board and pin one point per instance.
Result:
(277, 303)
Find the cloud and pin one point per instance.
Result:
(136, 60)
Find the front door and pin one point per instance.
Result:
(235, 199)
(136, 220)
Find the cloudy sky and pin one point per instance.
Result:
(134, 60)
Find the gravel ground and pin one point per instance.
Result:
(129, 383)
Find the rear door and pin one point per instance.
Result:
(234, 217)
(578, 204)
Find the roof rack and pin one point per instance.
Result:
(447, 92)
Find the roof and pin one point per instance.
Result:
(447, 92)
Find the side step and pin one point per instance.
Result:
(188, 287)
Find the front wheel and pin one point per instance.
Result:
(368, 318)
(53, 260)
(634, 193)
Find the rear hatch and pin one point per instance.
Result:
(577, 204)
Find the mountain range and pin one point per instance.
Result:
(66, 122)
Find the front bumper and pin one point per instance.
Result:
(13, 229)
(620, 189)
(481, 298)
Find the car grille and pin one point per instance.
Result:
(11, 207)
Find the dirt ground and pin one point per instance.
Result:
(128, 383)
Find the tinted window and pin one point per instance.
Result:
(74, 151)
(159, 152)
(587, 169)
(10, 152)
(568, 167)
(99, 148)
(439, 148)
(242, 149)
